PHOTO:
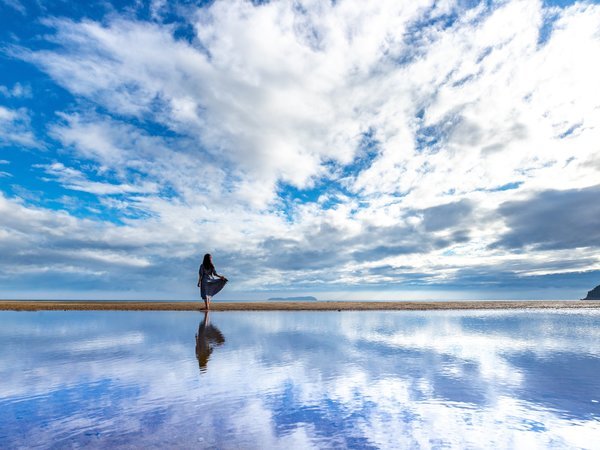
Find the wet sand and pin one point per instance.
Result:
(26, 305)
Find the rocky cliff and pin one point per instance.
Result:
(594, 294)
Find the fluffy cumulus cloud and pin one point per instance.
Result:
(310, 145)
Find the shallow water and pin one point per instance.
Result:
(404, 379)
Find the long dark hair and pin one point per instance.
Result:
(207, 263)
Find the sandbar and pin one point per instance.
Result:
(96, 305)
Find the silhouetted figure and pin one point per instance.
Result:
(207, 339)
(209, 281)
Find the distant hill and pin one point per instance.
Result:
(594, 294)
(307, 298)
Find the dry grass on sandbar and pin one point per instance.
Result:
(27, 305)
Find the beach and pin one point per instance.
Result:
(74, 305)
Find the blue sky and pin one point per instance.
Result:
(344, 150)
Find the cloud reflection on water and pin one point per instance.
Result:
(301, 379)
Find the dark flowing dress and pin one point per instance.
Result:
(210, 283)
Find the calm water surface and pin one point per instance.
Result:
(436, 379)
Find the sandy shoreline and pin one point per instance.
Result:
(26, 305)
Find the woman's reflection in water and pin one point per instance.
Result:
(208, 337)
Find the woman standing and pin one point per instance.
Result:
(209, 281)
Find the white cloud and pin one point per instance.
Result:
(76, 180)
(273, 103)
(475, 111)
(15, 128)
(16, 5)
(499, 117)
(17, 91)
(158, 8)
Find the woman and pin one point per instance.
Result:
(209, 281)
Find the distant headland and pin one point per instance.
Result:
(307, 298)
(594, 294)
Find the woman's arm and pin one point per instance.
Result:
(217, 275)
